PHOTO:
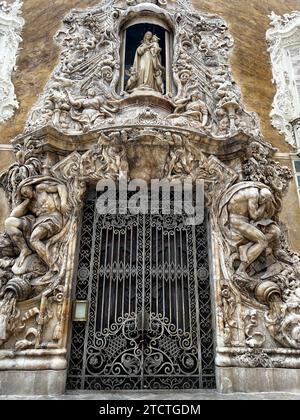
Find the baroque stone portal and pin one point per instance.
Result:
(84, 129)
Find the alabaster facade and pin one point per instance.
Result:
(11, 24)
(178, 118)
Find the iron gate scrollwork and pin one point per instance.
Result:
(146, 278)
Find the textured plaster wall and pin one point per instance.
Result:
(248, 21)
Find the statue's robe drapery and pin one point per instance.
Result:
(147, 66)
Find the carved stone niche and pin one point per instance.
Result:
(84, 129)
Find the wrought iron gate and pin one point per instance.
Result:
(147, 282)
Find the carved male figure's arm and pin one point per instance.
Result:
(63, 195)
(21, 209)
(256, 211)
(76, 103)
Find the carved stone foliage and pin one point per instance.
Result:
(254, 338)
(257, 358)
(11, 24)
(83, 93)
(29, 160)
(228, 313)
(283, 35)
(259, 166)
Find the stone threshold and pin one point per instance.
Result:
(194, 395)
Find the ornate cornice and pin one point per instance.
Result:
(225, 149)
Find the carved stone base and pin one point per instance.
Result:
(33, 372)
(238, 379)
(32, 382)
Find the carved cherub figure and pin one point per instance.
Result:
(133, 77)
(155, 48)
(57, 106)
(191, 107)
(89, 110)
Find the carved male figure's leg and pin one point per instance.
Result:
(273, 234)
(45, 227)
(36, 241)
(258, 242)
(15, 228)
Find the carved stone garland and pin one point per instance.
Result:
(83, 130)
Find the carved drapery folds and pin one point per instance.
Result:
(11, 24)
(83, 130)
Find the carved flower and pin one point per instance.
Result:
(225, 292)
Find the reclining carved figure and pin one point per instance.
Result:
(38, 217)
(37, 220)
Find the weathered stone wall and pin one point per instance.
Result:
(248, 21)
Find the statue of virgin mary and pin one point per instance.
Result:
(146, 72)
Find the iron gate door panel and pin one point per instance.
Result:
(147, 281)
